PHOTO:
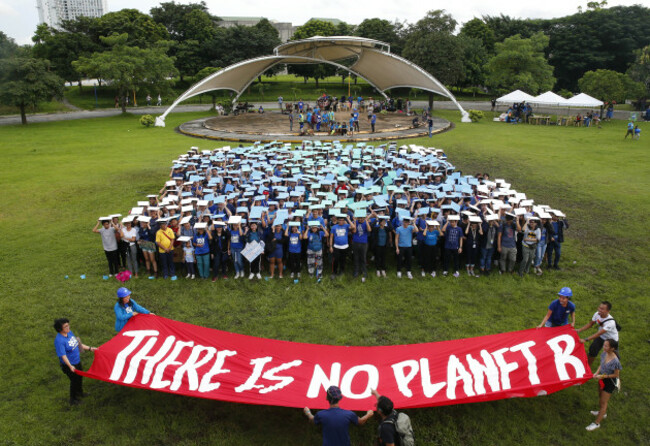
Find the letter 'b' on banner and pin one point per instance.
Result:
(152, 352)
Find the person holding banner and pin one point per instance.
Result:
(607, 329)
(125, 307)
(67, 347)
(607, 374)
(559, 310)
(335, 421)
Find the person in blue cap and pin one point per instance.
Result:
(125, 308)
(559, 310)
(336, 421)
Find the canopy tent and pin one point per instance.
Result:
(372, 61)
(549, 98)
(584, 100)
(515, 96)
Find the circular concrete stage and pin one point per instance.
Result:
(274, 126)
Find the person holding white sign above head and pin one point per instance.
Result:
(335, 421)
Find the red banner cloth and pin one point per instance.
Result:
(152, 352)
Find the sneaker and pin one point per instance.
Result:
(433, 274)
(596, 412)
(251, 276)
(399, 274)
(592, 427)
(423, 273)
(292, 275)
(378, 273)
(409, 275)
(444, 273)
(214, 279)
(383, 273)
(298, 274)
(193, 277)
(225, 277)
(363, 280)
(188, 276)
(539, 271)
(258, 275)
(456, 274)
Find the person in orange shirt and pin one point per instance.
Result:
(165, 242)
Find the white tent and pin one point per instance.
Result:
(550, 99)
(371, 60)
(584, 100)
(515, 96)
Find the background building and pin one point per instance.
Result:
(53, 12)
(285, 29)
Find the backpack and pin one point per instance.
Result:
(618, 327)
(403, 427)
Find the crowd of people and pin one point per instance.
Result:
(394, 428)
(318, 205)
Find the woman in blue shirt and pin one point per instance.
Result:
(430, 247)
(274, 246)
(453, 244)
(125, 308)
(201, 242)
(404, 246)
(315, 234)
(236, 245)
(254, 235)
(292, 233)
(339, 243)
(360, 247)
(382, 240)
(67, 347)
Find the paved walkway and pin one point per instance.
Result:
(106, 112)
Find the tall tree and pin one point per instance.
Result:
(140, 28)
(318, 71)
(608, 85)
(382, 30)
(521, 64)
(475, 57)
(178, 18)
(478, 29)
(640, 69)
(130, 68)
(8, 46)
(26, 81)
(504, 26)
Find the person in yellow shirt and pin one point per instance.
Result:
(165, 242)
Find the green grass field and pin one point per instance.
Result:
(57, 178)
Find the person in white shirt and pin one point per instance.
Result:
(606, 330)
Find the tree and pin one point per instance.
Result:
(608, 85)
(521, 64)
(382, 30)
(8, 46)
(475, 57)
(504, 26)
(640, 70)
(61, 48)
(431, 44)
(183, 21)
(318, 71)
(478, 29)
(129, 68)
(27, 81)
(140, 28)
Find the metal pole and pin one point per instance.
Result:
(95, 95)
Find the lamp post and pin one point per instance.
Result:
(95, 87)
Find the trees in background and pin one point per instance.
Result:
(129, 68)
(608, 85)
(520, 64)
(27, 80)
(316, 71)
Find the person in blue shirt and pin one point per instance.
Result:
(201, 242)
(292, 233)
(315, 234)
(67, 347)
(360, 231)
(373, 121)
(254, 234)
(351, 127)
(630, 130)
(237, 240)
(125, 308)
(554, 243)
(336, 421)
(453, 244)
(404, 246)
(382, 240)
(559, 310)
(339, 244)
(431, 234)
(274, 246)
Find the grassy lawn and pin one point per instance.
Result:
(57, 178)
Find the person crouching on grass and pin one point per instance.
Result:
(336, 421)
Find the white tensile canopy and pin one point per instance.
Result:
(583, 100)
(372, 61)
(549, 98)
(515, 96)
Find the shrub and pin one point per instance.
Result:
(147, 120)
(476, 115)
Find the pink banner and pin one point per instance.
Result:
(155, 353)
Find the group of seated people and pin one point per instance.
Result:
(276, 207)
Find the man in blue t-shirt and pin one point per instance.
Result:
(339, 244)
(335, 421)
(404, 245)
(559, 310)
(373, 121)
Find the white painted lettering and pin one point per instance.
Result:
(150, 361)
(284, 380)
(158, 382)
(217, 369)
(505, 367)
(258, 364)
(524, 348)
(456, 372)
(320, 379)
(563, 356)
(428, 388)
(191, 365)
(348, 377)
(402, 379)
(480, 371)
(120, 359)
